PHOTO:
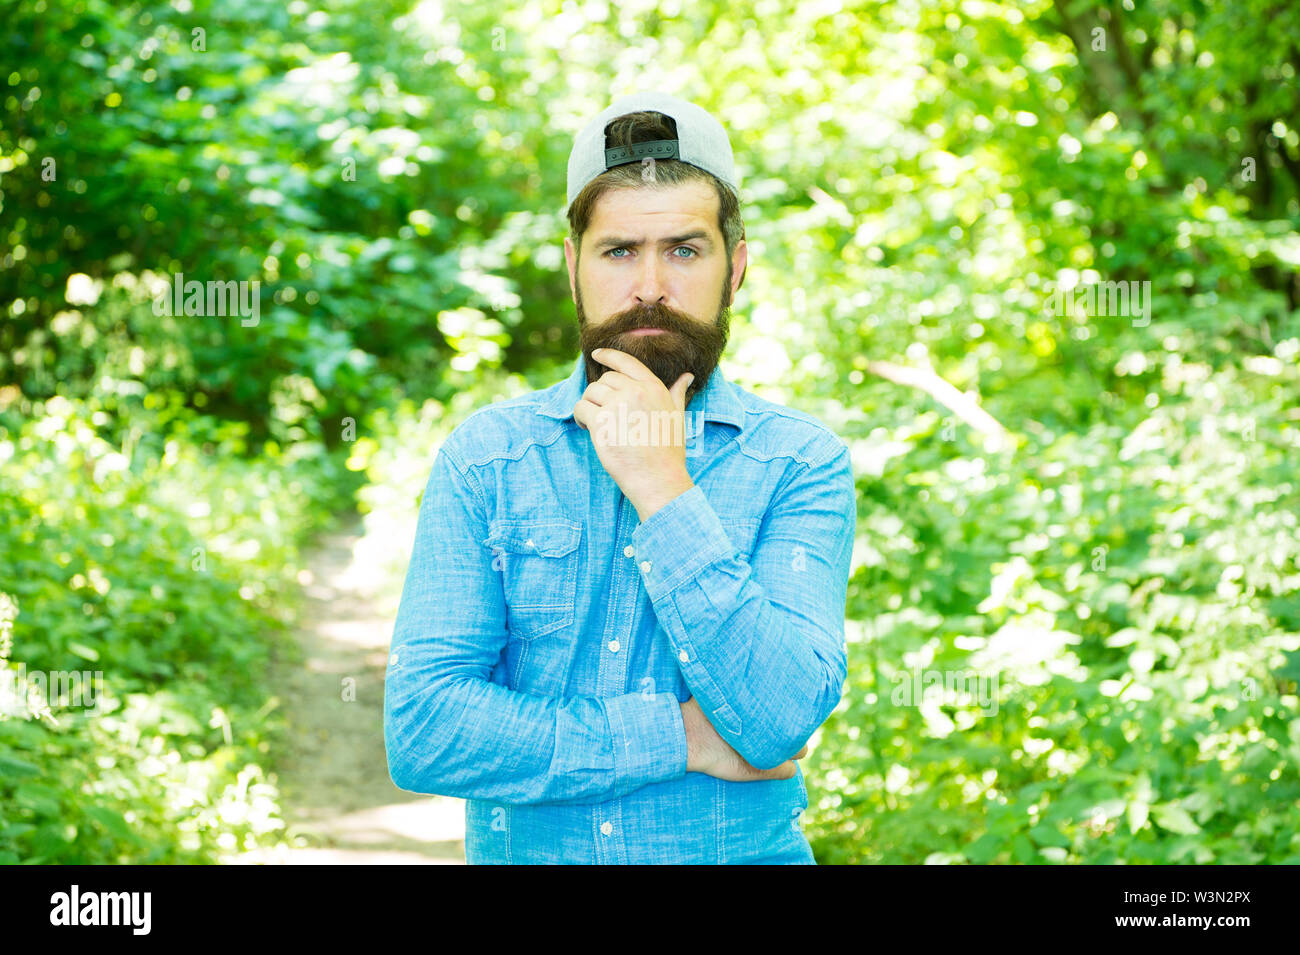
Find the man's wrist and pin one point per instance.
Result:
(650, 502)
(688, 723)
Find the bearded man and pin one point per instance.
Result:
(624, 613)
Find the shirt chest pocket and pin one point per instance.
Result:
(538, 563)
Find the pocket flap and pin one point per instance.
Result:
(553, 538)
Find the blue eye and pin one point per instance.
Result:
(622, 248)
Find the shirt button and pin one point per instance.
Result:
(529, 542)
(606, 827)
(629, 551)
(613, 646)
(684, 657)
(645, 566)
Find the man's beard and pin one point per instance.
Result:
(685, 346)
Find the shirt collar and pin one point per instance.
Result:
(716, 402)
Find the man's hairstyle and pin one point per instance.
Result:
(644, 127)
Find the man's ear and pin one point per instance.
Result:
(571, 259)
(739, 265)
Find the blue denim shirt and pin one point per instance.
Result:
(546, 637)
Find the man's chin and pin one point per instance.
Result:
(666, 367)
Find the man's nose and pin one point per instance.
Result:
(649, 288)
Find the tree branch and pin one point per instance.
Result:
(959, 403)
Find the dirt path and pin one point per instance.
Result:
(338, 802)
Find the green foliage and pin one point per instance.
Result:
(917, 178)
(1127, 594)
(172, 576)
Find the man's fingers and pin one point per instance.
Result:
(802, 753)
(598, 392)
(614, 378)
(622, 361)
(583, 411)
(678, 390)
(785, 771)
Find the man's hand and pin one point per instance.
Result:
(638, 427)
(709, 753)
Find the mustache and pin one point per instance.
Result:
(687, 344)
(656, 315)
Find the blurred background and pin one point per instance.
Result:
(1074, 611)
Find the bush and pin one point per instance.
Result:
(173, 576)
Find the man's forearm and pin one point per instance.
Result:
(764, 656)
(692, 732)
(709, 753)
(476, 739)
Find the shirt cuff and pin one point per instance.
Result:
(649, 737)
(679, 540)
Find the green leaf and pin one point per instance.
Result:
(111, 820)
(1047, 836)
(1023, 851)
(42, 800)
(17, 768)
(984, 849)
(83, 651)
(1174, 818)
(1138, 810)
(1290, 670)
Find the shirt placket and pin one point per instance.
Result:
(611, 678)
(607, 819)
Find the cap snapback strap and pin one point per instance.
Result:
(658, 149)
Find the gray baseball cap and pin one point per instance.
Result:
(701, 141)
